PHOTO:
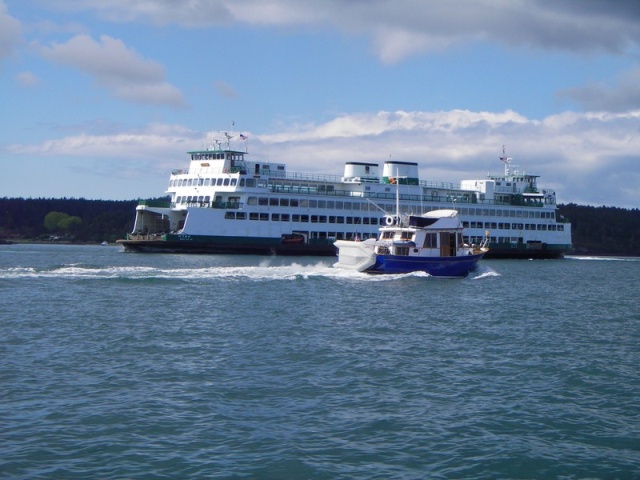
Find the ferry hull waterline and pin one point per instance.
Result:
(225, 204)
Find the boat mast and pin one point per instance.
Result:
(507, 161)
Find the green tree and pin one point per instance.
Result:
(61, 222)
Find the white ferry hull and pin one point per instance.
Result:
(225, 204)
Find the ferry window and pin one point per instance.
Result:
(219, 182)
(226, 182)
(465, 224)
(295, 217)
(234, 182)
(498, 213)
(189, 182)
(263, 201)
(230, 215)
(314, 218)
(280, 167)
(339, 205)
(252, 201)
(330, 204)
(365, 220)
(492, 213)
(313, 203)
(322, 219)
(357, 220)
(284, 202)
(284, 217)
(273, 202)
(347, 205)
(349, 220)
(321, 188)
(201, 199)
(304, 218)
(253, 216)
(275, 217)
(242, 182)
(207, 182)
(241, 216)
(330, 189)
(294, 202)
(356, 206)
(304, 203)
(519, 214)
(322, 204)
(339, 219)
(207, 199)
(561, 228)
(251, 182)
(332, 219)
(264, 217)
(201, 182)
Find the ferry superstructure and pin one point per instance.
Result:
(225, 203)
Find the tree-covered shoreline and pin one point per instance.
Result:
(595, 230)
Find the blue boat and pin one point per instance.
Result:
(431, 243)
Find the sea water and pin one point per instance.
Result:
(120, 365)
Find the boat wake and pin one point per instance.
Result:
(604, 259)
(484, 272)
(261, 272)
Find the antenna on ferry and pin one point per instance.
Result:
(506, 160)
(229, 137)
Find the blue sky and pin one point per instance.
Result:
(102, 98)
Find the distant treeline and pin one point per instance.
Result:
(596, 230)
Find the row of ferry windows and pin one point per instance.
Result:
(286, 217)
(338, 204)
(225, 181)
(204, 182)
(514, 226)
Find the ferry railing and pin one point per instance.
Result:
(467, 198)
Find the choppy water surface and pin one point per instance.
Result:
(119, 365)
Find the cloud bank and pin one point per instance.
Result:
(587, 158)
(406, 27)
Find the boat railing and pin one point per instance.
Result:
(462, 198)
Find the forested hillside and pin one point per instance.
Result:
(596, 230)
(79, 220)
(603, 230)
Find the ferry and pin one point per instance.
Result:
(225, 203)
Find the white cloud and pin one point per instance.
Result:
(27, 79)
(10, 32)
(224, 89)
(575, 154)
(407, 27)
(623, 96)
(118, 68)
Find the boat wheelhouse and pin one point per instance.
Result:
(225, 203)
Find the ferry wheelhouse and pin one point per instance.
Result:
(225, 203)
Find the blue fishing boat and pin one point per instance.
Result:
(431, 243)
